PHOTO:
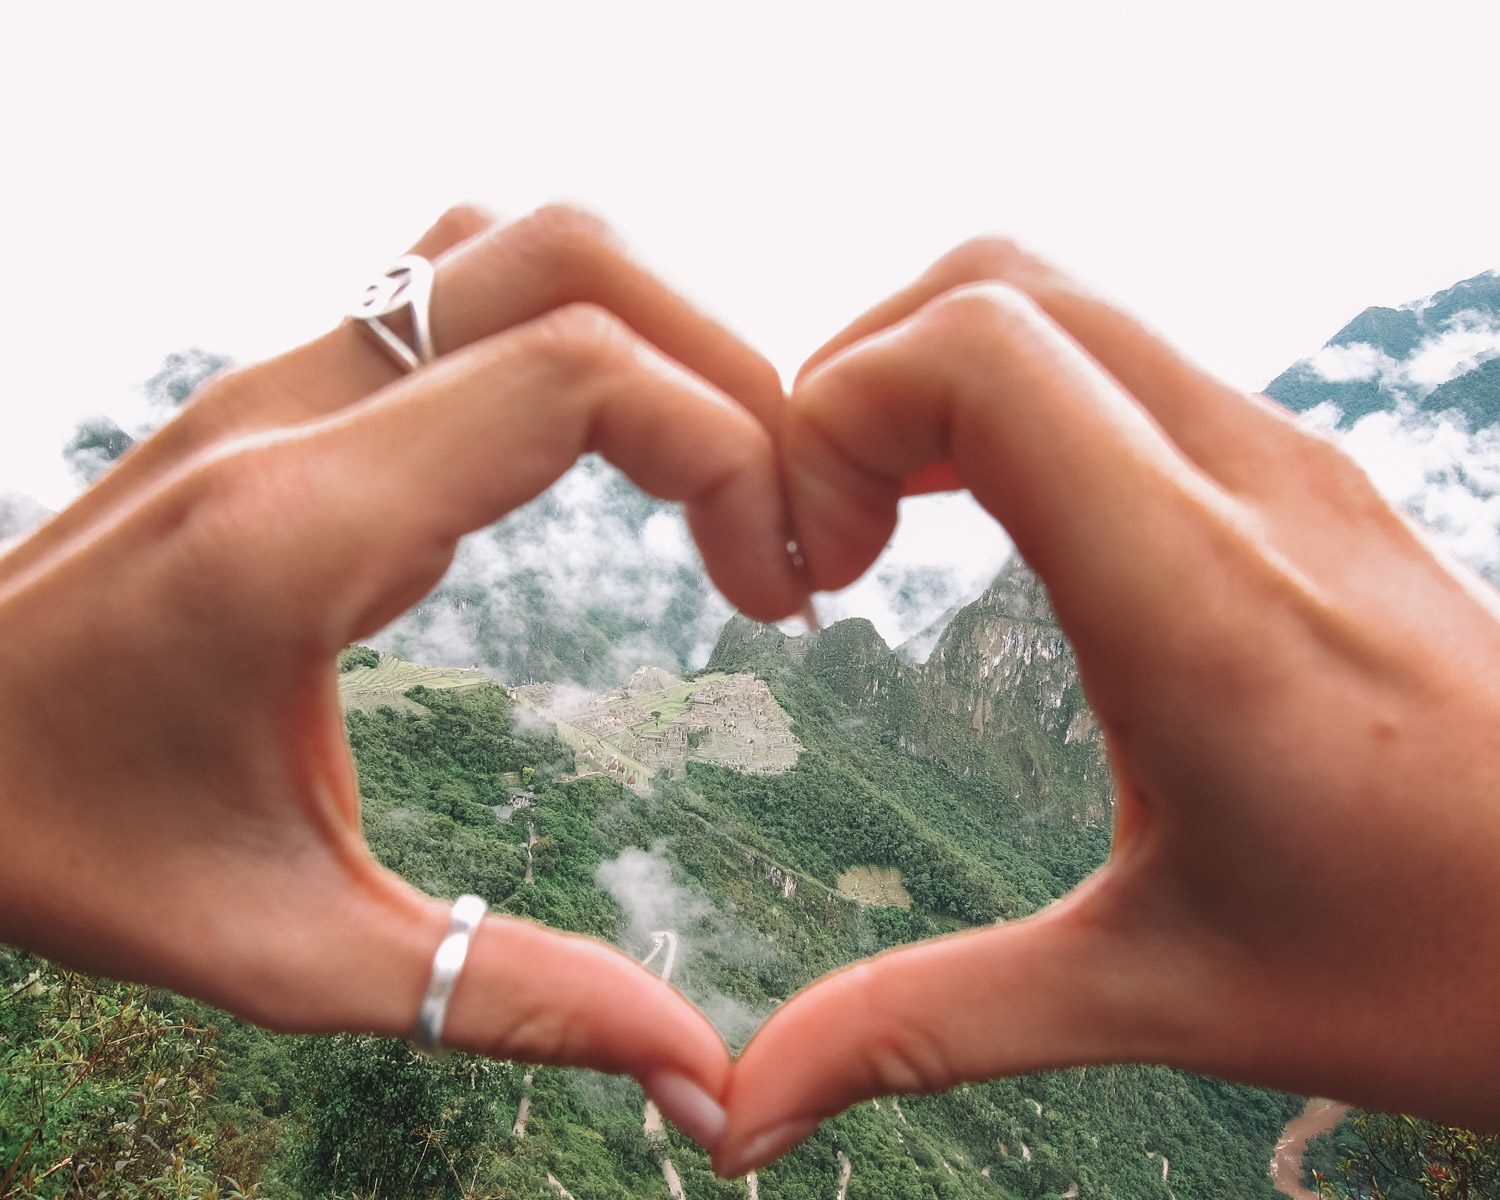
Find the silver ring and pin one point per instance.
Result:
(406, 284)
(468, 912)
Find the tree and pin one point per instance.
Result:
(382, 1119)
(1385, 1157)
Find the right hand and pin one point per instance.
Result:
(1300, 696)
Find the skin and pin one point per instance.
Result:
(1299, 694)
(185, 811)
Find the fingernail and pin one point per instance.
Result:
(688, 1106)
(767, 1148)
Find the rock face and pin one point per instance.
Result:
(1006, 656)
(999, 697)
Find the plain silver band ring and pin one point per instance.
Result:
(447, 963)
(406, 284)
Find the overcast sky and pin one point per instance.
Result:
(1247, 176)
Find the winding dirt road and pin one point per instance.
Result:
(523, 1110)
(663, 939)
(1320, 1116)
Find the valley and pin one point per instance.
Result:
(793, 803)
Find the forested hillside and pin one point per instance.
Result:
(923, 796)
(745, 869)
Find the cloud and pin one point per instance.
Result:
(1462, 342)
(946, 550)
(1445, 475)
(19, 515)
(641, 882)
(594, 579)
(1469, 340)
(1354, 363)
(585, 583)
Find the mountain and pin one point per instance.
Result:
(1437, 355)
(796, 833)
(586, 583)
(998, 697)
(99, 440)
(795, 803)
(594, 579)
(1413, 393)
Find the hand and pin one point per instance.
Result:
(177, 799)
(1301, 702)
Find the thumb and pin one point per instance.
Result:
(1056, 989)
(525, 992)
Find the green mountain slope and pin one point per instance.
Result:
(745, 869)
(965, 789)
(1377, 344)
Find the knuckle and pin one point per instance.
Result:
(993, 256)
(220, 403)
(462, 221)
(579, 339)
(228, 384)
(238, 494)
(565, 238)
(238, 471)
(541, 1032)
(980, 311)
(1333, 477)
(900, 1055)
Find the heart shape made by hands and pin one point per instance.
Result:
(1240, 601)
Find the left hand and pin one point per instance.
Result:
(177, 798)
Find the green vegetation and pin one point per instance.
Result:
(874, 886)
(670, 702)
(980, 786)
(239, 1111)
(357, 656)
(1377, 1156)
(369, 681)
(1473, 395)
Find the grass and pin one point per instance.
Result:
(878, 887)
(384, 686)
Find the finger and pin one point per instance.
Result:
(514, 273)
(1055, 990)
(224, 407)
(937, 477)
(457, 446)
(459, 224)
(525, 993)
(1107, 510)
(1225, 432)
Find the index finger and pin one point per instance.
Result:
(512, 274)
(1223, 431)
(1106, 508)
